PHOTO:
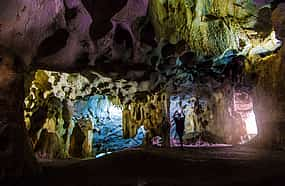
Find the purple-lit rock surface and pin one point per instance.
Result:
(139, 53)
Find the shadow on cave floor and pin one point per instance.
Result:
(240, 165)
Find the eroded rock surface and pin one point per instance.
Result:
(135, 51)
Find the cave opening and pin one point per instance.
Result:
(203, 125)
(243, 110)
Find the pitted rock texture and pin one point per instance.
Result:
(91, 33)
(53, 98)
(134, 47)
(210, 27)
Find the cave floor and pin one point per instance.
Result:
(240, 165)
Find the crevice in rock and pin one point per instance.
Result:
(101, 12)
(53, 43)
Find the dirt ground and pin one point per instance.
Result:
(159, 166)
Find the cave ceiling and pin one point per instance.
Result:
(143, 45)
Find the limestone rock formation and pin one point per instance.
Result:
(268, 94)
(139, 53)
(210, 27)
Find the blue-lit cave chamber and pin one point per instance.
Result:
(104, 119)
(68, 117)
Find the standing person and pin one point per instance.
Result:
(179, 119)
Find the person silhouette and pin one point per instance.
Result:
(179, 119)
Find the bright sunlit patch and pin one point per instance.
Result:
(270, 44)
(243, 105)
(102, 154)
(250, 122)
(115, 111)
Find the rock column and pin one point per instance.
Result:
(16, 156)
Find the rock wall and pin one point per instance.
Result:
(106, 116)
(224, 116)
(49, 119)
(209, 27)
(133, 46)
(62, 114)
(16, 156)
(268, 75)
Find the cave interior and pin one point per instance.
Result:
(99, 85)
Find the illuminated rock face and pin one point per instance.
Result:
(81, 139)
(74, 34)
(226, 116)
(209, 27)
(132, 48)
(54, 111)
(269, 84)
(106, 118)
(151, 112)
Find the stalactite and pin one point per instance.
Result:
(152, 113)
